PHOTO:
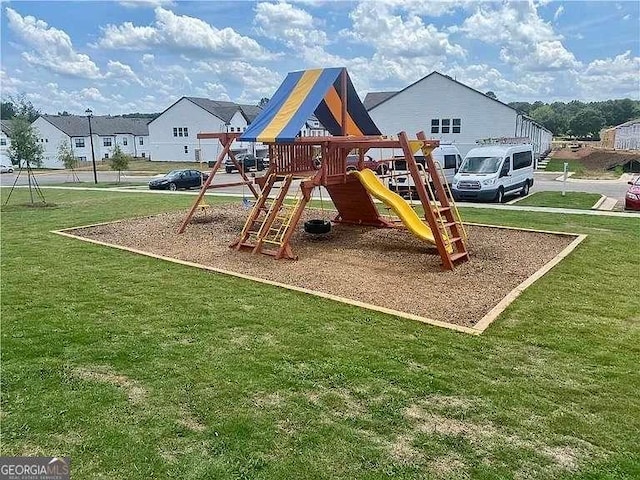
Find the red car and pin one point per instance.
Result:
(632, 198)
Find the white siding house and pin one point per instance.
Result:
(627, 135)
(5, 142)
(452, 112)
(173, 134)
(131, 134)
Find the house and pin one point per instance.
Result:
(5, 141)
(130, 134)
(313, 128)
(452, 112)
(173, 134)
(625, 136)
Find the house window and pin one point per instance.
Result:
(79, 142)
(143, 155)
(3, 141)
(232, 129)
(180, 132)
(141, 141)
(435, 125)
(186, 149)
(456, 125)
(46, 140)
(106, 156)
(124, 141)
(446, 125)
(106, 142)
(81, 159)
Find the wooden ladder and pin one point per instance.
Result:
(443, 219)
(253, 220)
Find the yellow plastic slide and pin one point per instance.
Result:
(408, 216)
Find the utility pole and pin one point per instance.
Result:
(93, 154)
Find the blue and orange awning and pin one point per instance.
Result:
(305, 93)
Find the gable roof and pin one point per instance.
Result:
(78, 126)
(308, 92)
(6, 127)
(434, 73)
(374, 98)
(222, 109)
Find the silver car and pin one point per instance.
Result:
(6, 168)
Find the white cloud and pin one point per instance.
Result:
(559, 12)
(526, 41)
(256, 82)
(51, 48)
(293, 26)
(121, 72)
(215, 91)
(182, 33)
(627, 16)
(383, 27)
(611, 77)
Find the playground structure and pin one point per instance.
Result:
(322, 162)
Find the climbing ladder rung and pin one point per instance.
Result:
(459, 256)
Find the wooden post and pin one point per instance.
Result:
(206, 184)
(343, 81)
(424, 199)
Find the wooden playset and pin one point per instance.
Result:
(322, 162)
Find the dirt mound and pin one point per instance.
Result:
(596, 159)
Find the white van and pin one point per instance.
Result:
(447, 155)
(491, 172)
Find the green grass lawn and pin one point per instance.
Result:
(580, 200)
(138, 368)
(149, 166)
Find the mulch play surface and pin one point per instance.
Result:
(385, 267)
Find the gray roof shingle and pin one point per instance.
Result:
(6, 127)
(374, 98)
(226, 110)
(78, 126)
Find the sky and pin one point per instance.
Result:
(141, 56)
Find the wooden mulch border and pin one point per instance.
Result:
(477, 329)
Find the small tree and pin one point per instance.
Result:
(67, 158)
(490, 94)
(24, 143)
(119, 161)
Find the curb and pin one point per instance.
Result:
(596, 205)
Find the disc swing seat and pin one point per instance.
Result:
(318, 226)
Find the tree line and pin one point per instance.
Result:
(579, 119)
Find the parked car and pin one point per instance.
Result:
(381, 167)
(6, 168)
(491, 172)
(176, 179)
(247, 161)
(632, 197)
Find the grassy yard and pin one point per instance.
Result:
(581, 200)
(138, 369)
(149, 166)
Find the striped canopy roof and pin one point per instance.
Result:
(309, 92)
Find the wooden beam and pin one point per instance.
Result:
(343, 87)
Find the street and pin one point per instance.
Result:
(543, 182)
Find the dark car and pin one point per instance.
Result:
(176, 179)
(380, 167)
(246, 161)
(632, 197)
